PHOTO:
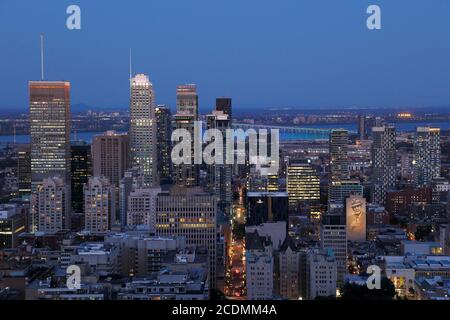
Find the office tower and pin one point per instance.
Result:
(110, 156)
(340, 190)
(259, 267)
(384, 162)
(132, 180)
(362, 127)
(24, 169)
(50, 135)
(219, 174)
(224, 104)
(190, 213)
(48, 212)
(290, 266)
(334, 236)
(303, 184)
(143, 128)
(322, 270)
(81, 168)
(266, 207)
(142, 208)
(339, 154)
(164, 145)
(365, 125)
(187, 113)
(427, 155)
(356, 218)
(12, 224)
(99, 204)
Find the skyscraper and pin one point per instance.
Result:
(24, 169)
(427, 155)
(339, 154)
(81, 168)
(362, 127)
(48, 211)
(333, 236)
(50, 136)
(110, 156)
(143, 128)
(164, 138)
(99, 204)
(384, 162)
(219, 175)
(303, 183)
(132, 180)
(187, 113)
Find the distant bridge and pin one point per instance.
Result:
(320, 133)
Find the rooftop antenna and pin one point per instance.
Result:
(42, 57)
(131, 73)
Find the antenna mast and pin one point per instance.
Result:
(131, 73)
(42, 57)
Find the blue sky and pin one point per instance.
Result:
(296, 53)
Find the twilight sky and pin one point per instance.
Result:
(278, 53)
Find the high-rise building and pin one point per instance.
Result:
(340, 190)
(190, 213)
(81, 168)
(143, 128)
(50, 125)
(99, 204)
(427, 155)
(110, 156)
(384, 162)
(164, 146)
(132, 180)
(110, 159)
(24, 169)
(185, 118)
(220, 174)
(339, 154)
(303, 183)
(225, 105)
(266, 207)
(362, 127)
(259, 262)
(142, 208)
(48, 211)
(334, 236)
(322, 271)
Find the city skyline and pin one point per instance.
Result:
(311, 47)
(193, 193)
